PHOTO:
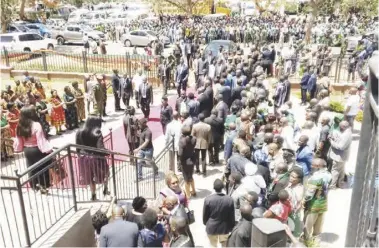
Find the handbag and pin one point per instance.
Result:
(190, 216)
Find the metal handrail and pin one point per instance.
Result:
(69, 146)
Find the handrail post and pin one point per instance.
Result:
(137, 179)
(69, 155)
(23, 212)
(6, 54)
(114, 175)
(172, 155)
(111, 138)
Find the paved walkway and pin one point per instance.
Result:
(335, 225)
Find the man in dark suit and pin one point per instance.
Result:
(280, 182)
(226, 93)
(304, 86)
(181, 76)
(217, 127)
(163, 74)
(126, 90)
(116, 90)
(145, 97)
(236, 92)
(241, 233)
(202, 98)
(202, 67)
(166, 113)
(218, 215)
(119, 233)
(221, 107)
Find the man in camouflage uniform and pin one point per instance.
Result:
(98, 97)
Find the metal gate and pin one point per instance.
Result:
(363, 218)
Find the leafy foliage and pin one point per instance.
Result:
(7, 10)
(359, 116)
(336, 106)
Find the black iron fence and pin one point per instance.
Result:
(363, 218)
(80, 62)
(72, 175)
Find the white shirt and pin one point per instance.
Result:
(313, 137)
(353, 103)
(137, 81)
(173, 128)
(288, 136)
(212, 71)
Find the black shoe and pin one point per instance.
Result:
(105, 114)
(198, 172)
(93, 198)
(105, 191)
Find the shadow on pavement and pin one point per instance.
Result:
(201, 193)
(328, 237)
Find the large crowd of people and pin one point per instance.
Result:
(276, 166)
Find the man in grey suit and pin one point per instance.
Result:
(119, 233)
(339, 153)
(203, 134)
(181, 76)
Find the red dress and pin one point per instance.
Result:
(11, 116)
(57, 113)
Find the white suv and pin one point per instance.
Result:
(27, 42)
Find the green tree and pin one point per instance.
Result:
(7, 10)
(189, 7)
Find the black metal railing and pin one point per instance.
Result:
(72, 174)
(18, 162)
(363, 218)
(80, 62)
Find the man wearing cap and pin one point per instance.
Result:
(166, 113)
(145, 97)
(98, 97)
(146, 149)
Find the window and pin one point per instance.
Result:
(24, 37)
(134, 33)
(35, 37)
(77, 30)
(12, 29)
(71, 29)
(6, 39)
(142, 33)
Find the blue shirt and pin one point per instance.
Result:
(304, 157)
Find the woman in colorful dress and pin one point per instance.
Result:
(57, 112)
(12, 117)
(42, 111)
(79, 96)
(71, 111)
(6, 138)
(40, 90)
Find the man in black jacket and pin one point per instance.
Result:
(218, 215)
(126, 90)
(217, 127)
(241, 233)
(145, 97)
(116, 90)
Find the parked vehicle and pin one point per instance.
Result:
(142, 38)
(27, 42)
(16, 28)
(214, 47)
(42, 29)
(75, 33)
(77, 15)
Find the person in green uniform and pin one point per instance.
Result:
(98, 96)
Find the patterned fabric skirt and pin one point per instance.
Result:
(81, 109)
(92, 169)
(57, 116)
(71, 116)
(6, 142)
